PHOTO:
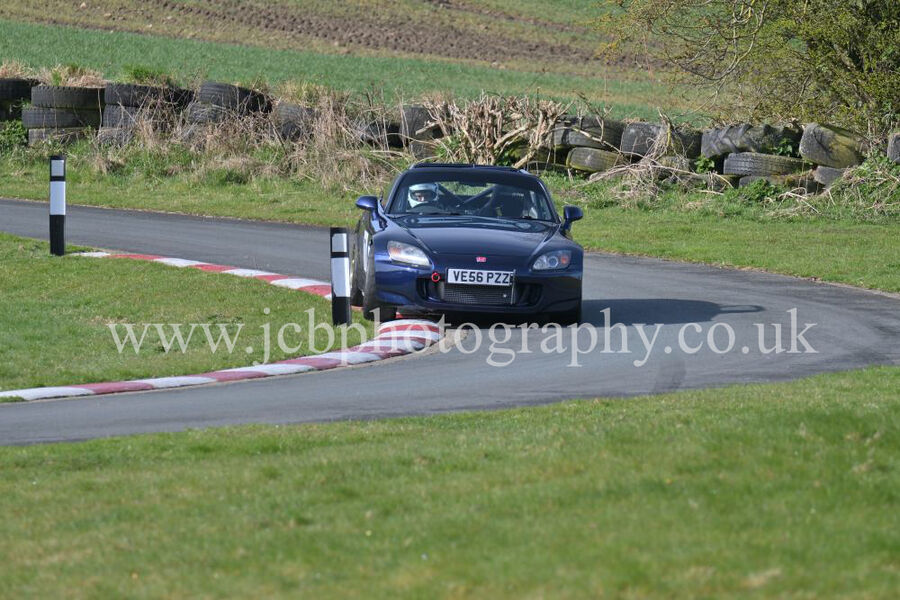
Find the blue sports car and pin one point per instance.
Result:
(466, 239)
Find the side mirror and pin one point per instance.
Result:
(570, 215)
(368, 203)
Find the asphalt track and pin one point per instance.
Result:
(853, 328)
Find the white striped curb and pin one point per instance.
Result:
(159, 383)
(312, 286)
(394, 338)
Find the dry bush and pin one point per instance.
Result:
(14, 69)
(335, 151)
(243, 147)
(488, 129)
(71, 75)
(306, 93)
(871, 190)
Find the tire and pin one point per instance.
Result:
(14, 89)
(37, 136)
(893, 150)
(827, 175)
(589, 132)
(114, 136)
(356, 297)
(831, 147)
(381, 134)
(239, 99)
(412, 121)
(369, 304)
(293, 121)
(592, 160)
(638, 138)
(180, 97)
(543, 155)
(34, 117)
(200, 113)
(752, 163)
(119, 116)
(675, 163)
(685, 142)
(10, 110)
(52, 96)
(718, 143)
(129, 94)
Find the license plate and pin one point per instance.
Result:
(479, 277)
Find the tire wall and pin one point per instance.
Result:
(578, 145)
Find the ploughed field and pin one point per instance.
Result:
(555, 36)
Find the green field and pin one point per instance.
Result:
(397, 77)
(56, 314)
(786, 490)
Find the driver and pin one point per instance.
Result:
(422, 193)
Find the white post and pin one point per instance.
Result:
(57, 205)
(340, 276)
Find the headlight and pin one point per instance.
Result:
(407, 254)
(558, 259)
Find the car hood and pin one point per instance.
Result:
(488, 236)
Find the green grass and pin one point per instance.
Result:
(725, 231)
(112, 53)
(787, 490)
(859, 254)
(841, 243)
(55, 314)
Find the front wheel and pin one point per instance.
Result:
(356, 297)
(369, 301)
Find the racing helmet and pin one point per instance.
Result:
(428, 192)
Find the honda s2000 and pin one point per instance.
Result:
(467, 239)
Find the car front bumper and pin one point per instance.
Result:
(412, 289)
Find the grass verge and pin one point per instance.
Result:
(695, 227)
(785, 490)
(56, 312)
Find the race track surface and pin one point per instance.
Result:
(853, 328)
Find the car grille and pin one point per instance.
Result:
(476, 294)
(520, 294)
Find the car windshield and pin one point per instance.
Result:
(502, 195)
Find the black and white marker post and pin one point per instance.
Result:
(57, 205)
(340, 276)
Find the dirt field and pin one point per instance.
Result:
(446, 29)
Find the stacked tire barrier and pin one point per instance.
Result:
(216, 101)
(593, 144)
(61, 112)
(127, 104)
(587, 144)
(807, 159)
